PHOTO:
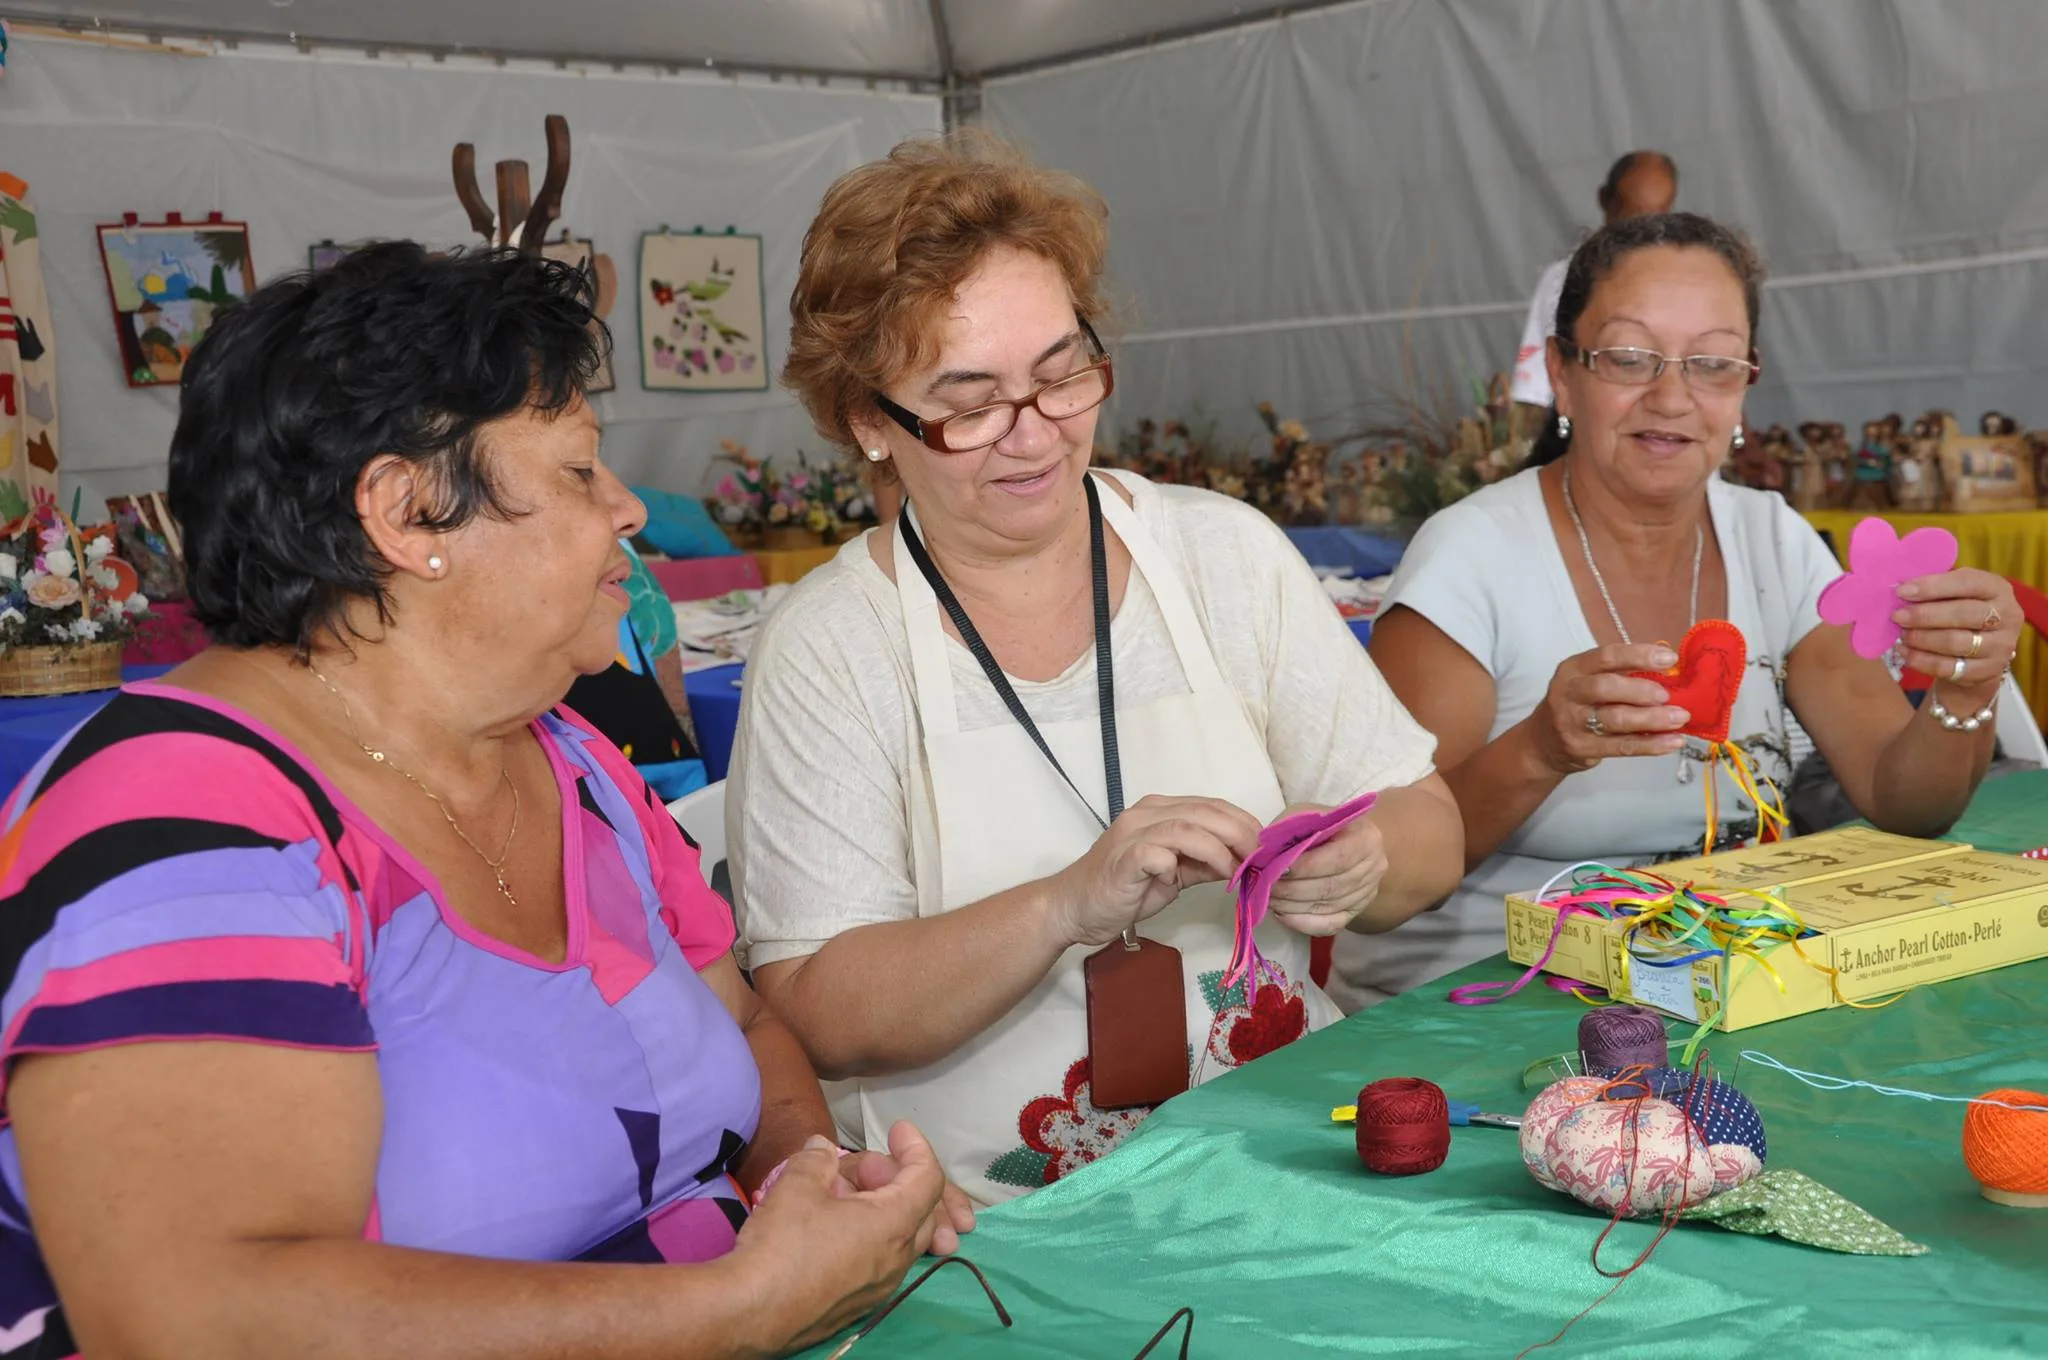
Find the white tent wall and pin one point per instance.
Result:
(328, 147)
(1309, 210)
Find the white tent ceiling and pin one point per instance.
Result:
(924, 41)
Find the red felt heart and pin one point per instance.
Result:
(1708, 675)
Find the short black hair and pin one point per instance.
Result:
(1622, 168)
(295, 390)
(1604, 249)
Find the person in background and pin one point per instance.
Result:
(1520, 623)
(638, 702)
(357, 999)
(928, 834)
(1640, 184)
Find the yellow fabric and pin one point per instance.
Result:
(2012, 544)
(787, 566)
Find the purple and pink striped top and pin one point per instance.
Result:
(175, 870)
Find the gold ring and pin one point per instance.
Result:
(1976, 645)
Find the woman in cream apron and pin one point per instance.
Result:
(1004, 817)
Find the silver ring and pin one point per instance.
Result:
(1955, 676)
(1593, 723)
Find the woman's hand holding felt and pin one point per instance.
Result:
(1159, 846)
(1599, 707)
(1968, 616)
(1330, 885)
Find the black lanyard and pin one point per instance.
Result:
(1105, 678)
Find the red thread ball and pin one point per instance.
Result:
(1404, 1126)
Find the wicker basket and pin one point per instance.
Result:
(72, 669)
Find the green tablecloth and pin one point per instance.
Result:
(2009, 815)
(1242, 1199)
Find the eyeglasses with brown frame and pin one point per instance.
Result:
(1632, 366)
(1061, 399)
(1184, 1317)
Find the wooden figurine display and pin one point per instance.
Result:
(2037, 440)
(1820, 479)
(1870, 482)
(1761, 461)
(1987, 471)
(1916, 466)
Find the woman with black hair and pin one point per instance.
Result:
(1519, 617)
(352, 987)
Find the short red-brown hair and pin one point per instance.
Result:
(893, 242)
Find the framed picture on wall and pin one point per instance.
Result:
(581, 251)
(703, 321)
(167, 281)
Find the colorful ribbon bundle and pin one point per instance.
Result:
(1670, 925)
(1280, 845)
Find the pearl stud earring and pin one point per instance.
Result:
(874, 455)
(434, 565)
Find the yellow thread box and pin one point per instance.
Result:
(1890, 913)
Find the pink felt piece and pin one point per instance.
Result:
(1280, 845)
(706, 578)
(1879, 563)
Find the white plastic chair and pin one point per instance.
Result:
(701, 815)
(2018, 733)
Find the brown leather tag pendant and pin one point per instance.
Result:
(1137, 1025)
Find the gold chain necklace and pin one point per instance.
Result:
(496, 866)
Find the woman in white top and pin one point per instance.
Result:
(920, 882)
(1518, 615)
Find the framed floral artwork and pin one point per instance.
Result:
(703, 321)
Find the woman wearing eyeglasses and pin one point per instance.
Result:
(1519, 616)
(997, 760)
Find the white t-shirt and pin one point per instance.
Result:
(1489, 572)
(1532, 378)
(821, 834)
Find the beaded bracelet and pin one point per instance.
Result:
(1955, 724)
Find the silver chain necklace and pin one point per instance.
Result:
(1699, 548)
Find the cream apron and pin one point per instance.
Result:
(1009, 1110)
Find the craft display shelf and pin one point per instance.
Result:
(1886, 913)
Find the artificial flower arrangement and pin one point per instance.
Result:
(1429, 456)
(1289, 477)
(1282, 475)
(67, 603)
(812, 504)
(743, 496)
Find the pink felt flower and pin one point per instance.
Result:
(1879, 563)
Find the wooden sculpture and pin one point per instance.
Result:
(523, 218)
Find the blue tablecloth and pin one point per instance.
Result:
(1367, 554)
(29, 727)
(714, 697)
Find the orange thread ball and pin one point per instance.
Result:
(2007, 1150)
